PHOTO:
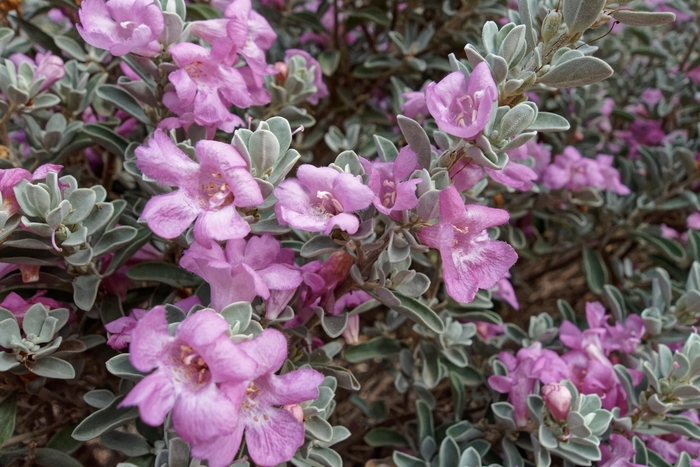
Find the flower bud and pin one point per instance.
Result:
(557, 397)
(296, 410)
(352, 330)
(550, 25)
(282, 72)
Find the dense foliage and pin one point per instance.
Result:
(332, 232)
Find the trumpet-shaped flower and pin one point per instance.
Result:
(122, 26)
(244, 270)
(392, 192)
(460, 107)
(471, 260)
(321, 198)
(208, 193)
(200, 374)
(272, 433)
(206, 86)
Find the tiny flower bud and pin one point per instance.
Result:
(30, 273)
(352, 330)
(296, 410)
(557, 397)
(550, 25)
(282, 71)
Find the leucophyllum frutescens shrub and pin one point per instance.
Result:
(334, 233)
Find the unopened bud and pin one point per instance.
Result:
(30, 273)
(282, 71)
(296, 410)
(352, 330)
(557, 397)
(550, 25)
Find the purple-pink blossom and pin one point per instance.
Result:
(244, 270)
(321, 198)
(529, 365)
(462, 107)
(19, 306)
(205, 87)
(471, 260)
(200, 375)
(557, 398)
(574, 172)
(120, 329)
(617, 452)
(208, 192)
(272, 433)
(122, 26)
(393, 192)
(46, 66)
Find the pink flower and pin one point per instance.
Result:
(46, 66)
(573, 171)
(200, 374)
(524, 369)
(393, 193)
(557, 398)
(121, 329)
(693, 221)
(504, 291)
(415, 104)
(122, 26)
(272, 434)
(471, 260)
(313, 66)
(321, 198)
(208, 193)
(206, 86)
(460, 107)
(258, 267)
(617, 452)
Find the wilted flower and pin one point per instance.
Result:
(122, 26)
(471, 260)
(208, 193)
(321, 198)
(460, 107)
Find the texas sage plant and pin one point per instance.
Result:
(335, 233)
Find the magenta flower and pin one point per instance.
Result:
(415, 105)
(208, 192)
(617, 452)
(393, 193)
(575, 172)
(460, 107)
(471, 260)
(200, 374)
(121, 329)
(611, 175)
(321, 198)
(252, 36)
(693, 221)
(524, 369)
(46, 66)
(122, 26)
(311, 65)
(557, 398)
(244, 270)
(504, 290)
(272, 434)
(206, 86)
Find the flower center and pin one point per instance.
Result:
(215, 192)
(127, 25)
(192, 366)
(469, 108)
(195, 70)
(389, 195)
(328, 207)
